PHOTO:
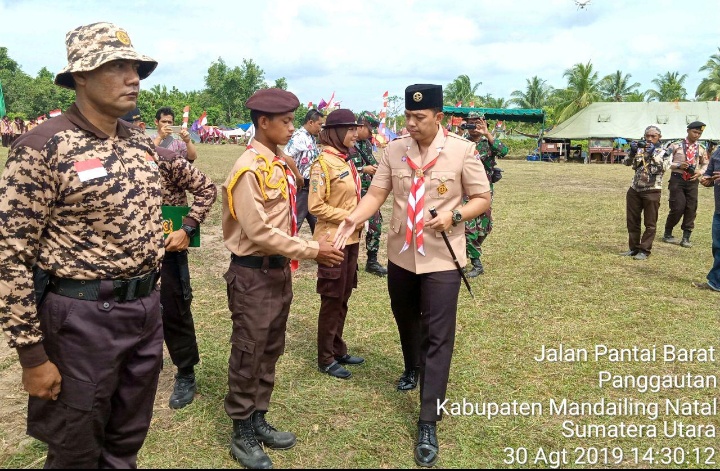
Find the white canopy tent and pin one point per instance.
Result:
(629, 120)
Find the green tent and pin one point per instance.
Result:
(504, 114)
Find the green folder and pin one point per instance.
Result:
(172, 221)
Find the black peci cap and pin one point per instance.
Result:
(132, 116)
(697, 125)
(423, 97)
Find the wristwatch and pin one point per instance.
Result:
(456, 217)
(189, 230)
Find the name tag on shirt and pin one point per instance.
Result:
(344, 174)
(90, 169)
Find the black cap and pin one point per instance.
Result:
(423, 97)
(132, 116)
(697, 125)
(273, 100)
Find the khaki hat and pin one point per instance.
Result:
(90, 46)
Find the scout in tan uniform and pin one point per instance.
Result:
(260, 230)
(80, 200)
(689, 162)
(334, 193)
(429, 167)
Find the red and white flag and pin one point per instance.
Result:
(55, 113)
(459, 104)
(186, 116)
(203, 119)
(310, 105)
(90, 169)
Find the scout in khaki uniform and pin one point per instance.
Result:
(80, 202)
(334, 193)
(260, 230)
(428, 167)
(689, 162)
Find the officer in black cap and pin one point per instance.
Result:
(423, 281)
(689, 161)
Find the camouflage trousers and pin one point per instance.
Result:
(476, 231)
(372, 239)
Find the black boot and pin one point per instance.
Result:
(477, 268)
(245, 448)
(686, 240)
(373, 266)
(408, 380)
(426, 449)
(184, 391)
(668, 238)
(268, 435)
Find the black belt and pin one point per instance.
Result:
(89, 290)
(256, 261)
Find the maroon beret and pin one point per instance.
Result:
(273, 100)
(340, 117)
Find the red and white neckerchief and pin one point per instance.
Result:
(292, 197)
(416, 201)
(690, 153)
(353, 169)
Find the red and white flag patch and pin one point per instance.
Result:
(90, 169)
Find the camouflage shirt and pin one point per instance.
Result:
(649, 170)
(362, 157)
(80, 205)
(180, 176)
(489, 153)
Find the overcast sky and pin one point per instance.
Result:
(360, 49)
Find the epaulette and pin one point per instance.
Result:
(263, 170)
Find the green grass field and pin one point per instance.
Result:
(553, 275)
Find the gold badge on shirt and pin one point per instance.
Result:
(442, 189)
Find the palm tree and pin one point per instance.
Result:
(617, 87)
(461, 90)
(668, 87)
(709, 88)
(535, 96)
(636, 96)
(583, 89)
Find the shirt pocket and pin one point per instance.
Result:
(441, 185)
(401, 181)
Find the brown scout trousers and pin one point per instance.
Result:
(639, 204)
(683, 203)
(335, 285)
(109, 355)
(425, 310)
(259, 302)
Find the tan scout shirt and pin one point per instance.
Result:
(678, 156)
(331, 211)
(81, 205)
(263, 223)
(458, 169)
(180, 176)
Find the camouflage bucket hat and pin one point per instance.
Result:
(475, 115)
(90, 46)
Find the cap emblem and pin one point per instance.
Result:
(417, 97)
(123, 37)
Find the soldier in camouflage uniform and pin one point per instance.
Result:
(366, 165)
(179, 176)
(489, 149)
(80, 201)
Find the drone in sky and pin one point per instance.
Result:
(581, 4)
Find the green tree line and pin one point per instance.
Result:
(227, 88)
(223, 98)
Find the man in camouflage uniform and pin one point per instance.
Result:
(489, 149)
(80, 201)
(366, 165)
(179, 176)
(643, 197)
